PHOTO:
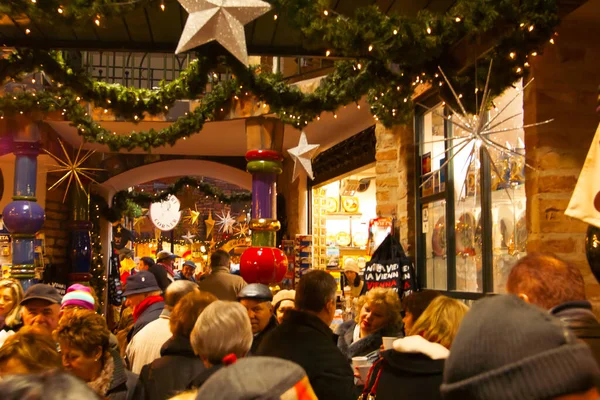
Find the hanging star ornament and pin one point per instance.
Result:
(303, 154)
(474, 132)
(220, 20)
(72, 169)
(225, 222)
(210, 224)
(192, 219)
(188, 237)
(242, 229)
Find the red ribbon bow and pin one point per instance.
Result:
(229, 359)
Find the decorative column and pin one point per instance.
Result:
(24, 217)
(263, 263)
(80, 245)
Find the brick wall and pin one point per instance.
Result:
(395, 176)
(565, 88)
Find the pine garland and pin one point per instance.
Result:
(97, 270)
(393, 54)
(123, 199)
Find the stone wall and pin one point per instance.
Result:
(565, 88)
(395, 177)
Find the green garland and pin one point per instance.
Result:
(97, 270)
(123, 199)
(405, 51)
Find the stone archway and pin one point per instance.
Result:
(165, 169)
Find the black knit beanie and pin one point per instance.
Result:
(507, 349)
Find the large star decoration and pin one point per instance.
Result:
(192, 219)
(210, 224)
(72, 169)
(220, 20)
(303, 154)
(225, 222)
(188, 237)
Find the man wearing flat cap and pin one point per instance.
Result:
(257, 299)
(163, 269)
(41, 308)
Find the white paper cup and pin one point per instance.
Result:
(388, 342)
(364, 372)
(359, 362)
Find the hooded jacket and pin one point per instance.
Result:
(412, 370)
(171, 373)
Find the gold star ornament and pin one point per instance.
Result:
(72, 168)
(220, 20)
(210, 224)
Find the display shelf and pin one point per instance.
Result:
(341, 215)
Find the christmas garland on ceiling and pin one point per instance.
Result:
(393, 55)
(123, 199)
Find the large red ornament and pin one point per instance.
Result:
(263, 265)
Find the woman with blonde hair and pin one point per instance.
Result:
(413, 368)
(378, 315)
(84, 343)
(11, 294)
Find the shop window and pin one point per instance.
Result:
(341, 213)
(471, 198)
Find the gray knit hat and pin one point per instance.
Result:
(258, 378)
(507, 349)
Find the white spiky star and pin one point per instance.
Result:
(225, 222)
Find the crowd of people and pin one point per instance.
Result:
(221, 338)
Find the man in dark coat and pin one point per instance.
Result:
(257, 299)
(557, 286)
(143, 294)
(305, 338)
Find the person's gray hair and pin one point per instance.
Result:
(53, 385)
(176, 290)
(223, 328)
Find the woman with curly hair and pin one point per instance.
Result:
(413, 368)
(378, 316)
(84, 342)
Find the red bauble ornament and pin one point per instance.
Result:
(263, 265)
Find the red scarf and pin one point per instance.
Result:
(148, 301)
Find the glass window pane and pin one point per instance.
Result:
(432, 147)
(509, 232)
(434, 228)
(467, 208)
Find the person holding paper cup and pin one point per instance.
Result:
(413, 368)
(378, 315)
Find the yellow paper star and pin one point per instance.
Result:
(72, 169)
(210, 224)
(137, 223)
(192, 219)
(243, 229)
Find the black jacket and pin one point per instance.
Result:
(306, 340)
(123, 382)
(407, 376)
(581, 320)
(171, 373)
(261, 335)
(150, 314)
(203, 376)
(161, 275)
(363, 347)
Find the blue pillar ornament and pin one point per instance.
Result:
(23, 217)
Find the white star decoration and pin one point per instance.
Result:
(303, 154)
(188, 237)
(220, 20)
(225, 222)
